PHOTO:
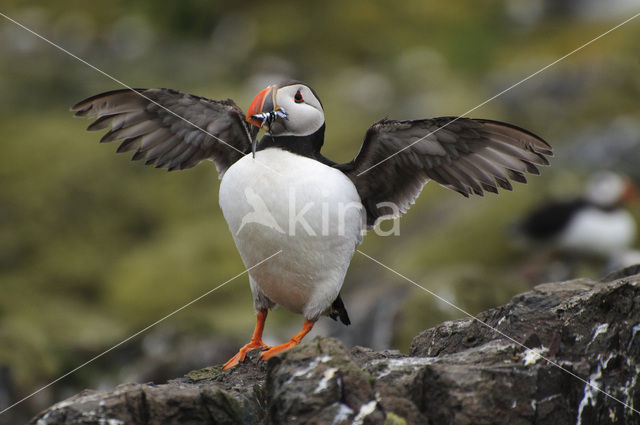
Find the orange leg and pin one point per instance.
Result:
(266, 355)
(256, 342)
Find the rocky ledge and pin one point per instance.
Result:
(460, 372)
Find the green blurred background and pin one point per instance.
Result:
(94, 248)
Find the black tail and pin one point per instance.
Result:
(338, 310)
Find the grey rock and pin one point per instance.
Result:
(460, 372)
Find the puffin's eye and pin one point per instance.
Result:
(298, 97)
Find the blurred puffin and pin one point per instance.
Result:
(315, 210)
(594, 225)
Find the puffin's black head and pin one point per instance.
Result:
(287, 109)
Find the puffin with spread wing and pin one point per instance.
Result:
(283, 200)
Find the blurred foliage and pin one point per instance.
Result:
(94, 248)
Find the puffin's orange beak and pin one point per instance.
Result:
(630, 193)
(257, 106)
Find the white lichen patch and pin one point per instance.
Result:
(306, 372)
(628, 389)
(606, 361)
(634, 330)
(107, 421)
(602, 328)
(532, 355)
(401, 364)
(365, 410)
(590, 392)
(343, 414)
(89, 398)
(92, 414)
(326, 377)
(324, 359)
(599, 329)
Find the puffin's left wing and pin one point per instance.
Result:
(468, 155)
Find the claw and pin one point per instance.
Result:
(233, 362)
(242, 354)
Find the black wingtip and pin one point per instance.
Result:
(85, 104)
(543, 158)
(138, 155)
(518, 176)
(110, 136)
(101, 123)
(128, 144)
(542, 146)
(504, 183)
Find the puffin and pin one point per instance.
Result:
(284, 201)
(594, 225)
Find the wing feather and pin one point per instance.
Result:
(165, 127)
(467, 155)
(128, 145)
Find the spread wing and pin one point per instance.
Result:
(170, 129)
(468, 155)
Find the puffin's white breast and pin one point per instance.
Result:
(599, 232)
(310, 211)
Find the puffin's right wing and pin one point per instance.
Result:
(165, 127)
(467, 155)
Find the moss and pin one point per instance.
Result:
(393, 419)
(208, 373)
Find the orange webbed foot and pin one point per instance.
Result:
(277, 349)
(266, 355)
(242, 354)
(255, 343)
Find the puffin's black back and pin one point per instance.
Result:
(549, 220)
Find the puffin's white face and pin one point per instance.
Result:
(607, 188)
(290, 110)
(304, 111)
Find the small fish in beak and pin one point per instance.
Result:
(263, 111)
